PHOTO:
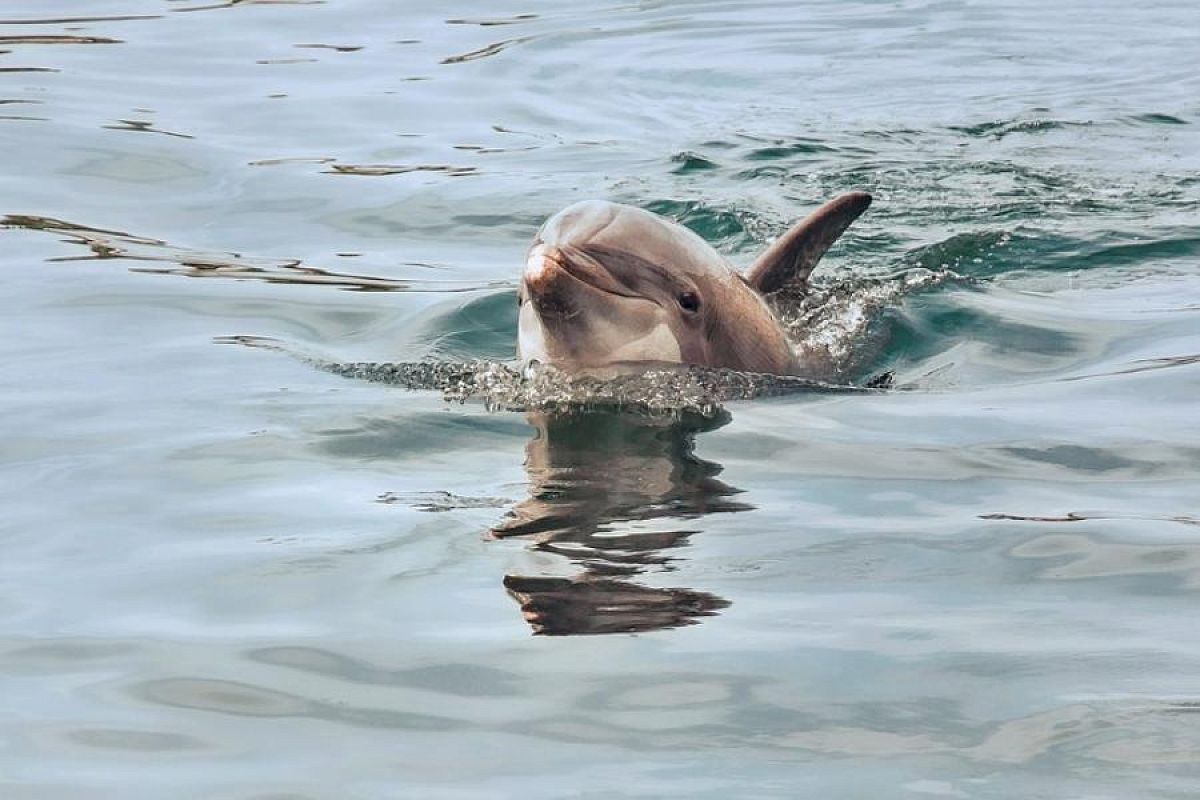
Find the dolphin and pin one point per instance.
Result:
(607, 284)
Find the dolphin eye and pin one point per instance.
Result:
(689, 301)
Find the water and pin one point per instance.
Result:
(228, 573)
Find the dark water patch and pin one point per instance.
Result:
(541, 136)
(524, 224)
(790, 157)
(1145, 568)
(65, 656)
(488, 22)
(1159, 119)
(991, 253)
(229, 697)
(57, 39)
(452, 170)
(286, 61)
(995, 191)
(1182, 707)
(1084, 516)
(340, 48)
(1076, 458)
(864, 247)
(141, 126)
(788, 150)
(929, 325)
(1144, 365)
(29, 69)
(400, 437)
(76, 20)
(137, 741)
(238, 698)
(271, 162)
(228, 4)
(774, 172)
(463, 680)
(905, 136)
(688, 162)
(484, 150)
(445, 224)
(1027, 180)
(728, 228)
(1167, 247)
(1001, 129)
(1087, 737)
(962, 251)
(485, 52)
(941, 322)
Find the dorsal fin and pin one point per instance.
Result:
(794, 255)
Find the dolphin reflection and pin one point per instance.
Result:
(601, 486)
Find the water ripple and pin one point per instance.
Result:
(238, 698)
(485, 52)
(119, 245)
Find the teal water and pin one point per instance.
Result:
(229, 573)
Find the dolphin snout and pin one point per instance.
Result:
(548, 283)
(541, 265)
(554, 274)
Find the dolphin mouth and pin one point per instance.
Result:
(554, 275)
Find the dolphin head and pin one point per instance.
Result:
(606, 283)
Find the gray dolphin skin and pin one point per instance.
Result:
(607, 284)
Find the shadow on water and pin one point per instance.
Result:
(598, 483)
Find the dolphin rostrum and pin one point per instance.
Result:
(607, 284)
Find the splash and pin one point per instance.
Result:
(660, 390)
(827, 324)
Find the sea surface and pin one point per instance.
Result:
(278, 571)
